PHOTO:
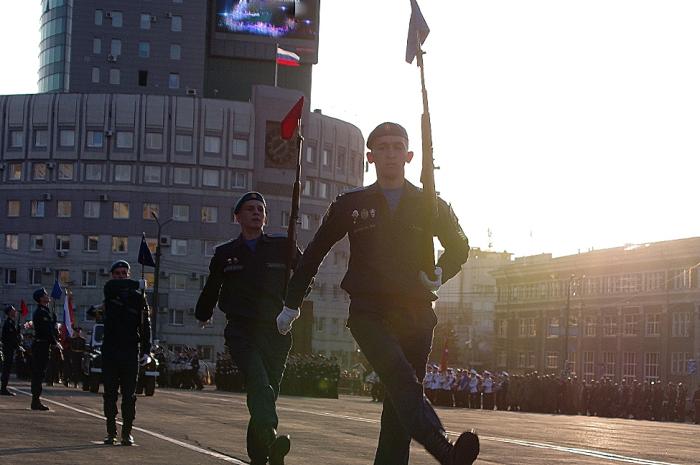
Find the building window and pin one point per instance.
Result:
(35, 276)
(629, 366)
(651, 366)
(610, 326)
(239, 180)
(122, 173)
(285, 219)
(310, 154)
(206, 352)
(681, 324)
(117, 19)
(11, 241)
(114, 76)
(182, 176)
(115, 47)
(631, 325)
(340, 162)
(36, 242)
(145, 22)
(41, 138)
(120, 244)
(62, 242)
(64, 209)
(240, 148)
(323, 190)
(589, 365)
(39, 171)
(65, 171)
(98, 17)
(96, 46)
(13, 208)
(175, 52)
(308, 190)
(210, 178)
(63, 277)
(679, 363)
(149, 209)
(95, 139)
(93, 172)
(176, 24)
(89, 279)
(125, 140)
(90, 243)
(91, 209)
(326, 158)
(16, 139)
(181, 212)
(589, 326)
(552, 360)
(37, 208)
(177, 317)
(144, 49)
(209, 248)
(305, 222)
(209, 214)
(174, 80)
(526, 327)
(178, 247)
(653, 325)
(152, 174)
(95, 75)
(154, 141)
(183, 143)
(553, 327)
(10, 276)
(609, 364)
(212, 144)
(120, 210)
(178, 281)
(502, 328)
(14, 172)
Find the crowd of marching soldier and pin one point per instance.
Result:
(532, 392)
(305, 375)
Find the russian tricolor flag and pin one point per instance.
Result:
(287, 58)
(68, 316)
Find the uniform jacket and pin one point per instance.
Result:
(44, 322)
(11, 337)
(387, 250)
(246, 283)
(126, 319)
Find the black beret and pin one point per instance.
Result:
(386, 129)
(252, 195)
(120, 264)
(9, 308)
(39, 293)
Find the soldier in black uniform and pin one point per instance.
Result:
(126, 343)
(11, 340)
(391, 315)
(77, 349)
(45, 337)
(246, 276)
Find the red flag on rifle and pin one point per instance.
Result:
(291, 122)
(23, 307)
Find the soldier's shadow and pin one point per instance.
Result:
(42, 450)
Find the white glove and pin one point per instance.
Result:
(286, 318)
(58, 346)
(432, 286)
(143, 285)
(145, 360)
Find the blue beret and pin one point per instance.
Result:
(252, 195)
(120, 264)
(9, 308)
(39, 293)
(386, 129)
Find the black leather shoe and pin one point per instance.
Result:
(110, 440)
(279, 449)
(127, 440)
(466, 449)
(39, 406)
(5, 392)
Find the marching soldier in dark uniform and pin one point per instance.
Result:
(246, 277)
(77, 349)
(391, 315)
(45, 338)
(126, 343)
(11, 340)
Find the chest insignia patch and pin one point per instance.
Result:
(373, 213)
(364, 214)
(355, 214)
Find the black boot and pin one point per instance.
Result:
(279, 449)
(127, 438)
(37, 405)
(111, 437)
(5, 392)
(465, 449)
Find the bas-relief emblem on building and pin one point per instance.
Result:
(279, 153)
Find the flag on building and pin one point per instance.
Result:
(68, 317)
(145, 256)
(418, 31)
(287, 58)
(56, 292)
(291, 122)
(23, 308)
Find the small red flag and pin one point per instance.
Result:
(291, 122)
(443, 358)
(24, 308)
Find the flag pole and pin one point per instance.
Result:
(277, 47)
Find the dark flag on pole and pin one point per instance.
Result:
(145, 256)
(56, 292)
(418, 30)
(291, 121)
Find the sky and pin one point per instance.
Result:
(560, 126)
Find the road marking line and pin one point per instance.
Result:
(519, 442)
(191, 447)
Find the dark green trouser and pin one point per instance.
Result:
(260, 352)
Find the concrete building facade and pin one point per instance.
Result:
(633, 312)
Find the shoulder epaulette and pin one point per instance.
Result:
(230, 241)
(276, 235)
(353, 191)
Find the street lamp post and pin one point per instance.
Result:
(567, 312)
(156, 277)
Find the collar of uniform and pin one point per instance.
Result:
(240, 241)
(408, 189)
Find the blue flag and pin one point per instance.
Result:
(145, 256)
(418, 31)
(56, 292)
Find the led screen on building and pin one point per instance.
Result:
(276, 19)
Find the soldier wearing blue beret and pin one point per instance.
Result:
(247, 279)
(391, 315)
(45, 336)
(11, 340)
